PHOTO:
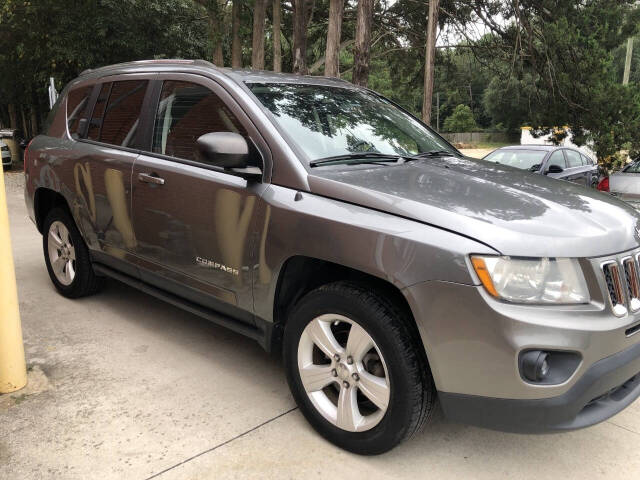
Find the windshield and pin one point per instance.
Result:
(330, 121)
(524, 159)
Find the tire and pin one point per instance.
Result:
(395, 358)
(67, 257)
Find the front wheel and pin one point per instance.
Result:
(355, 369)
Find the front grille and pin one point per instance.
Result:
(614, 287)
(633, 286)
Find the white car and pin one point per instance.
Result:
(6, 155)
(624, 184)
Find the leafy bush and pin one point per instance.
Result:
(461, 120)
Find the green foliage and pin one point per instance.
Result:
(461, 120)
(61, 38)
(557, 67)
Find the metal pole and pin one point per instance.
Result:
(437, 111)
(627, 61)
(13, 371)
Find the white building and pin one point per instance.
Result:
(527, 139)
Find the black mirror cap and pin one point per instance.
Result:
(224, 149)
(555, 169)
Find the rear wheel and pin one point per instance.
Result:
(355, 370)
(67, 256)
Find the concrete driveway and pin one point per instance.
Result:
(138, 389)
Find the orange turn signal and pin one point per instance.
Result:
(483, 274)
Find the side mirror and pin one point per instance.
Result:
(555, 169)
(228, 150)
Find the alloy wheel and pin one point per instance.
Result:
(343, 372)
(62, 254)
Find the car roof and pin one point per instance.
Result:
(199, 66)
(545, 148)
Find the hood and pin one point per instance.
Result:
(513, 211)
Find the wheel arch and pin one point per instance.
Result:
(44, 200)
(301, 274)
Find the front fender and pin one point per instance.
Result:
(398, 250)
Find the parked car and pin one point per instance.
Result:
(327, 223)
(5, 154)
(624, 184)
(556, 162)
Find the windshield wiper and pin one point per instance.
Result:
(433, 153)
(356, 158)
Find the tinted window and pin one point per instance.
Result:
(327, 121)
(123, 109)
(573, 158)
(187, 111)
(98, 111)
(557, 158)
(524, 159)
(76, 105)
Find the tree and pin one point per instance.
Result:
(257, 51)
(562, 60)
(430, 60)
(46, 39)
(299, 36)
(236, 44)
(332, 52)
(277, 47)
(362, 50)
(215, 12)
(461, 120)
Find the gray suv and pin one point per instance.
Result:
(333, 227)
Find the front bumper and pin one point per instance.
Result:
(607, 387)
(473, 343)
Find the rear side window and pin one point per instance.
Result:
(95, 124)
(557, 158)
(586, 160)
(185, 112)
(76, 106)
(121, 117)
(573, 158)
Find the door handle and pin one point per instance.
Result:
(150, 178)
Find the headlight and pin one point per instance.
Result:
(532, 280)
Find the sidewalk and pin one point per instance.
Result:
(138, 389)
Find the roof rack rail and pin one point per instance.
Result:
(200, 62)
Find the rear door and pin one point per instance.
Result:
(105, 153)
(557, 158)
(591, 169)
(195, 224)
(576, 171)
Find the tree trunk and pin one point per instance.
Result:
(216, 39)
(13, 116)
(332, 52)
(299, 36)
(25, 125)
(430, 60)
(362, 51)
(277, 46)
(257, 50)
(236, 45)
(34, 121)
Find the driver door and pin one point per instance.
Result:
(194, 224)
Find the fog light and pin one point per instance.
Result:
(535, 366)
